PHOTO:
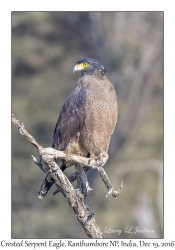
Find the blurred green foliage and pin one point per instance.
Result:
(45, 47)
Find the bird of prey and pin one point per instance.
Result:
(87, 119)
(89, 114)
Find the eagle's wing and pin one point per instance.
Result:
(71, 119)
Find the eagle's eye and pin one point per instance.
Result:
(85, 64)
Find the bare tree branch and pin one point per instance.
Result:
(49, 162)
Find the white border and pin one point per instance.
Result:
(5, 94)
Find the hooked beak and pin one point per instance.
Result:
(78, 67)
(75, 69)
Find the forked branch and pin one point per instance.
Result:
(49, 159)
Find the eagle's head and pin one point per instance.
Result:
(89, 66)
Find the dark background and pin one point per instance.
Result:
(45, 48)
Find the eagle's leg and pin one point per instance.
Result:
(82, 181)
(72, 178)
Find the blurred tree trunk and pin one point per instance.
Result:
(97, 36)
(143, 81)
(140, 95)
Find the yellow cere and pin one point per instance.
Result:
(81, 66)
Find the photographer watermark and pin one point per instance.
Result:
(128, 230)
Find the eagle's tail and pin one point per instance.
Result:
(47, 184)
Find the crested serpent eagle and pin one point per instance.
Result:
(89, 114)
(87, 119)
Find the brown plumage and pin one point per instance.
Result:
(89, 114)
